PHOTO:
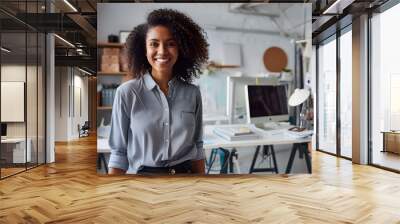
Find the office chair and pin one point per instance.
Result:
(84, 130)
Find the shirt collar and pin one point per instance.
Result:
(172, 82)
(149, 81)
(151, 84)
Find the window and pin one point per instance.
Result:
(327, 96)
(385, 86)
(346, 93)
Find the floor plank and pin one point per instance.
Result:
(70, 191)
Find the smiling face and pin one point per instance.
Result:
(161, 50)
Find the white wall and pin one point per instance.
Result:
(17, 73)
(80, 83)
(61, 103)
(113, 18)
(67, 80)
(33, 126)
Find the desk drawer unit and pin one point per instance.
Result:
(14, 152)
(391, 142)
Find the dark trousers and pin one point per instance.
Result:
(181, 168)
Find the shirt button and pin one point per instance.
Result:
(166, 123)
(166, 140)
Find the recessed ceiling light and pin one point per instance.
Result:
(70, 5)
(5, 50)
(65, 41)
(84, 71)
(338, 6)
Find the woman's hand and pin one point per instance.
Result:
(198, 166)
(116, 171)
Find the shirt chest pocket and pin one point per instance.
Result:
(187, 117)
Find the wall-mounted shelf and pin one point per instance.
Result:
(212, 64)
(104, 108)
(225, 66)
(112, 73)
(109, 80)
(119, 45)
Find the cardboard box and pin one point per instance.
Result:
(110, 59)
(110, 67)
(111, 51)
(123, 60)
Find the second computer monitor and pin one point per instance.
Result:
(3, 129)
(266, 103)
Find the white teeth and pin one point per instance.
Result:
(161, 60)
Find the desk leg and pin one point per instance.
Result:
(232, 156)
(307, 157)
(302, 148)
(103, 159)
(254, 159)
(266, 149)
(291, 158)
(274, 158)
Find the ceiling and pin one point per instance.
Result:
(291, 20)
(76, 22)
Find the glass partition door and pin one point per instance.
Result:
(14, 153)
(22, 88)
(327, 96)
(346, 94)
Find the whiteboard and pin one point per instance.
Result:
(12, 101)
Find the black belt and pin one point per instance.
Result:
(181, 168)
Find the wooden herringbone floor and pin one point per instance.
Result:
(70, 191)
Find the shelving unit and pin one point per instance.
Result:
(108, 79)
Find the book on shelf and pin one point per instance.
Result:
(235, 133)
(107, 97)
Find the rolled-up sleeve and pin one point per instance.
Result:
(198, 136)
(118, 140)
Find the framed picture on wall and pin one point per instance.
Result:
(13, 99)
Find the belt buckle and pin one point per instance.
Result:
(172, 171)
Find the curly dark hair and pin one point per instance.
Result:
(190, 38)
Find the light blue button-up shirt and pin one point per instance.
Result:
(149, 128)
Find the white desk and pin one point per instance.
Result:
(267, 138)
(212, 141)
(215, 119)
(18, 151)
(102, 145)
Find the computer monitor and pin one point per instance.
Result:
(266, 103)
(3, 130)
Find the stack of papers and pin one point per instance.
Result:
(235, 133)
(300, 134)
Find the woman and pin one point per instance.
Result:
(156, 125)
